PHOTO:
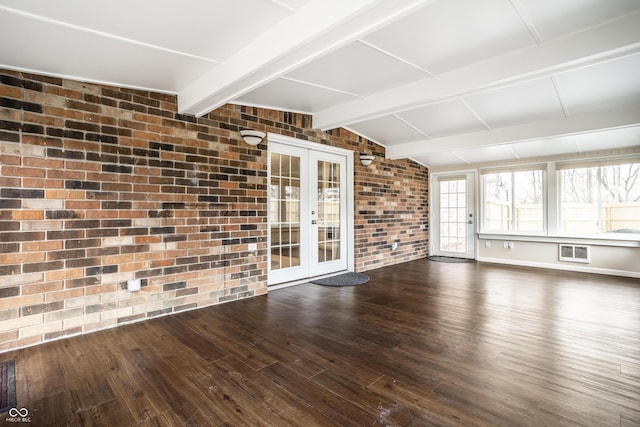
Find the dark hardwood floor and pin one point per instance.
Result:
(421, 344)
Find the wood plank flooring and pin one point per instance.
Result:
(421, 344)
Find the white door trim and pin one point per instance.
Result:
(287, 140)
(349, 155)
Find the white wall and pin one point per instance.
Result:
(605, 258)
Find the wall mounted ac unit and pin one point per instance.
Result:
(574, 253)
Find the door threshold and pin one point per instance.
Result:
(302, 281)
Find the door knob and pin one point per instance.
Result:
(313, 221)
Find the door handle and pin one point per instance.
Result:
(470, 222)
(313, 221)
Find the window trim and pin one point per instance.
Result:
(587, 240)
(552, 204)
(590, 164)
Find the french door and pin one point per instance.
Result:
(308, 213)
(453, 215)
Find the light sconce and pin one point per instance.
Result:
(366, 159)
(252, 137)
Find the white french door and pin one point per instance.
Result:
(453, 215)
(308, 213)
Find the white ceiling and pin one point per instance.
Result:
(444, 82)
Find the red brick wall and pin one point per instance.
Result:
(99, 185)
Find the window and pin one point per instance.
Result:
(601, 197)
(513, 201)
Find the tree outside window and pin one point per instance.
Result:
(600, 199)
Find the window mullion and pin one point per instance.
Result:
(551, 199)
(513, 201)
(599, 203)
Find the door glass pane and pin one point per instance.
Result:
(295, 256)
(329, 232)
(275, 236)
(295, 167)
(275, 258)
(284, 211)
(285, 259)
(453, 230)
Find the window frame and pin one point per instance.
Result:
(483, 199)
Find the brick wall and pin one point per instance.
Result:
(99, 185)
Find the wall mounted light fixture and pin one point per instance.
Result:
(252, 137)
(366, 159)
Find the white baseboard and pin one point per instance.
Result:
(579, 268)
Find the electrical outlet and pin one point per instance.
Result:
(487, 243)
(253, 247)
(394, 246)
(510, 245)
(505, 245)
(134, 285)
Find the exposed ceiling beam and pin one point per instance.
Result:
(577, 124)
(606, 42)
(315, 29)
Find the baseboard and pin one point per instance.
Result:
(579, 268)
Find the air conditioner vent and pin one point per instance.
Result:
(575, 253)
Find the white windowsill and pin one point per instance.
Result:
(622, 241)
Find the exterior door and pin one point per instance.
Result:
(328, 242)
(453, 215)
(307, 213)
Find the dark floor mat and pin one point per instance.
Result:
(346, 279)
(449, 259)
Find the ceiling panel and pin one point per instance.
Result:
(291, 4)
(451, 34)
(308, 98)
(439, 159)
(443, 119)
(545, 147)
(610, 84)
(611, 139)
(358, 69)
(553, 18)
(387, 130)
(191, 26)
(154, 69)
(487, 154)
(467, 157)
(595, 141)
(532, 101)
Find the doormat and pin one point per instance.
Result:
(448, 259)
(7, 385)
(346, 279)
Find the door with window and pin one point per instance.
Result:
(307, 213)
(453, 215)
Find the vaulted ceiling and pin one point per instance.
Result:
(444, 82)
